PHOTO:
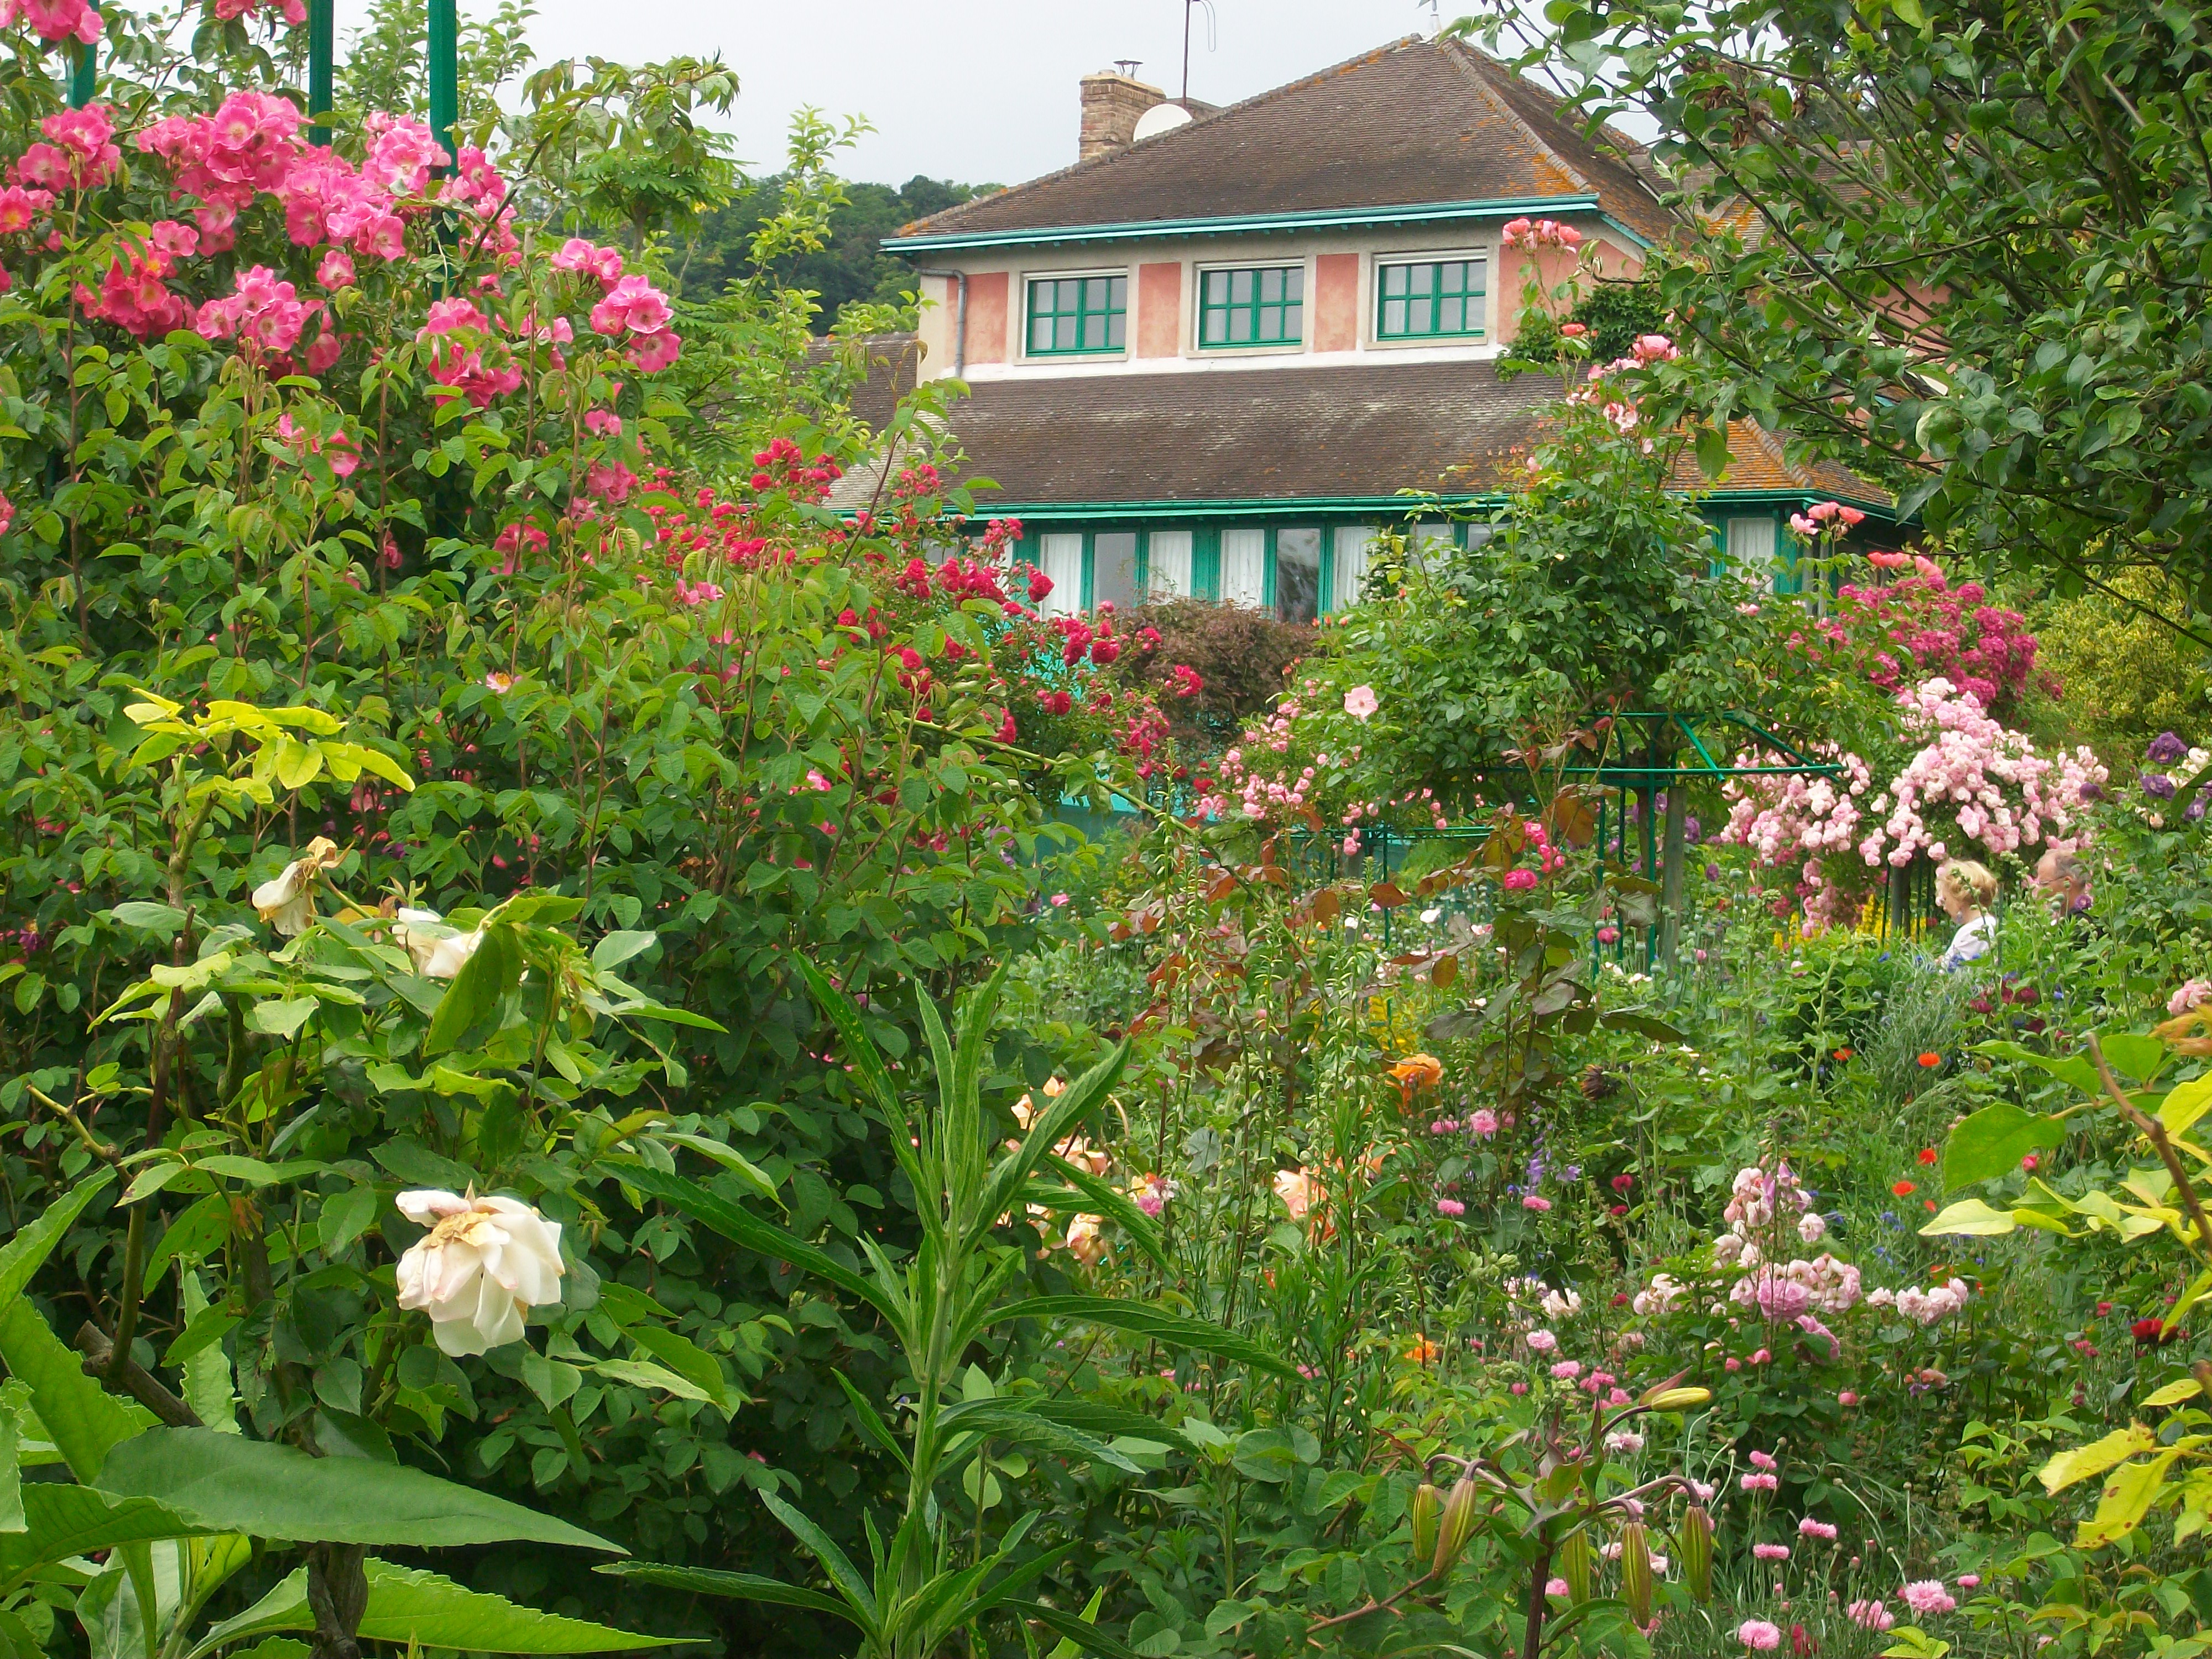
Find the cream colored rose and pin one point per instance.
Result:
(438, 951)
(1084, 1241)
(287, 901)
(484, 1261)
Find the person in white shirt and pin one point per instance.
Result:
(1966, 889)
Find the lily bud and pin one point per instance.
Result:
(1693, 1548)
(1456, 1524)
(1664, 1399)
(1428, 1504)
(1635, 1571)
(1575, 1561)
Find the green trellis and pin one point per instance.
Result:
(442, 47)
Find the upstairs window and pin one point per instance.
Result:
(1261, 308)
(1430, 299)
(1076, 316)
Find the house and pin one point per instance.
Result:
(1214, 355)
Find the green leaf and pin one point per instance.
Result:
(202, 1227)
(1006, 1419)
(233, 1485)
(2131, 1054)
(345, 1217)
(835, 1562)
(26, 1252)
(689, 1361)
(418, 1166)
(11, 1472)
(1139, 1319)
(414, 1609)
(475, 993)
(1087, 1636)
(617, 948)
(2069, 1068)
(1992, 1141)
(736, 1586)
(61, 1522)
(2079, 1462)
(750, 1231)
(1095, 1196)
(1971, 1219)
(82, 1418)
(2179, 1112)
(162, 921)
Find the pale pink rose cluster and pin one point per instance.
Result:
(1784, 819)
(1925, 1307)
(1988, 780)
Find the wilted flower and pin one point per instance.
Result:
(484, 1261)
(437, 951)
(1084, 1241)
(1417, 1072)
(287, 902)
(2193, 994)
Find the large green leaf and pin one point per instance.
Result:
(1992, 1141)
(82, 1418)
(1085, 1636)
(736, 1586)
(749, 1230)
(2070, 1068)
(26, 1252)
(230, 1484)
(64, 1521)
(1006, 1419)
(411, 1608)
(1140, 1319)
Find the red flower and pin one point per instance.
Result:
(2151, 1333)
(1903, 1188)
(1843, 1054)
(1927, 1154)
(1622, 1182)
(1930, 1061)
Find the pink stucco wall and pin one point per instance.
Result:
(1159, 309)
(1336, 302)
(986, 318)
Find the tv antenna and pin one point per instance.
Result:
(1188, 7)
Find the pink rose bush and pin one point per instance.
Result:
(1972, 788)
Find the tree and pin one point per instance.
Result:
(1961, 247)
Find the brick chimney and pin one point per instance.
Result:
(1112, 102)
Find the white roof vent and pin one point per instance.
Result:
(1159, 118)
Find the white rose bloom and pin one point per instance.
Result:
(287, 901)
(484, 1261)
(437, 955)
(1811, 1226)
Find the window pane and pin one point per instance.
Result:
(1271, 324)
(1452, 315)
(1294, 283)
(1352, 541)
(1117, 331)
(1059, 556)
(1420, 317)
(1240, 287)
(1216, 287)
(1395, 278)
(1394, 316)
(1117, 293)
(1240, 326)
(1243, 565)
(1113, 568)
(1297, 575)
(1168, 553)
(1294, 322)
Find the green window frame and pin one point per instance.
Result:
(1431, 299)
(1078, 316)
(1251, 305)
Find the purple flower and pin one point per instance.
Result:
(2165, 750)
(2158, 786)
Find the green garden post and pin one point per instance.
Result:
(322, 27)
(445, 74)
(1671, 860)
(88, 66)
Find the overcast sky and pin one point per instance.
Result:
(972, 90)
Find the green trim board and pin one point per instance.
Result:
(1363, 218)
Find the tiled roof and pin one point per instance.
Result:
(1758, 460)
(1289, 433)
(1413, 123)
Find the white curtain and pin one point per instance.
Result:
(1169, 555)
(1352, 541)
(1751, 549)
(1059, 556)
(1244, 567)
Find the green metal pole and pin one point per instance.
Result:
(445, 74)
(322, 27)
(80, 78)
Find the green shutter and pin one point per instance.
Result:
(1206, 562)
